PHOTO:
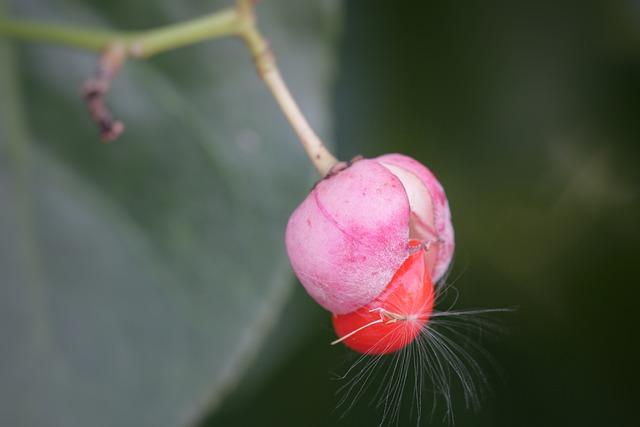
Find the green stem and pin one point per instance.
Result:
(138, 44)
(220, 24)
(267, 68)
(83, 38)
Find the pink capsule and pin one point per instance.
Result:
(351, 234)
(430, 214)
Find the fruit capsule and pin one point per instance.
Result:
(397, 316)
(351, 234)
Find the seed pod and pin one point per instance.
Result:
(430, 215)
(351, 234)
(396, 317)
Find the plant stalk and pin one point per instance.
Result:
(234, 21)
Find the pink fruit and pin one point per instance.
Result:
(351, 234)
(430, 214)
(396, 317)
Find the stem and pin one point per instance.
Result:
(142, 44)
(267, 68)
(83, 38)
(235, 21)
(95, 89)
(212, 26)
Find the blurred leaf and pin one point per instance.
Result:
(138, 279)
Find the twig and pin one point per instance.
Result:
(117, 46)
(95, 89)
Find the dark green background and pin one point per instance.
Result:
(529, 114)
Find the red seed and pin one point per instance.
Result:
(396, 317)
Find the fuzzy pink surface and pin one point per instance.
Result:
(350, 235)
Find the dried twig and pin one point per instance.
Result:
(95, 89)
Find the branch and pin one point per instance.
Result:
(117, 46)
(95, 89)
(139, 44)
(267, 68)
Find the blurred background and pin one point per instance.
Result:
(529, 114)
(135, 313)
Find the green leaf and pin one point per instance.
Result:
(138, 279)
